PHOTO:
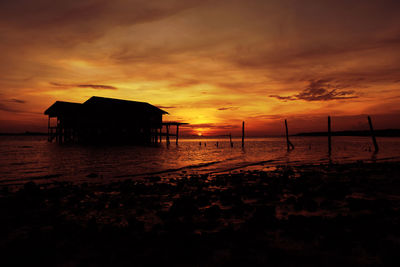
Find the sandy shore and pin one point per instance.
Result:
(326, 215)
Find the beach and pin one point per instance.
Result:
(289, 215)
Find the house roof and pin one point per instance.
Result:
(112, 104)
(63, 107)
(102, 104)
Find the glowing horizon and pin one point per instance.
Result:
(211, 64)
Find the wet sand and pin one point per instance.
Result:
(305, 215)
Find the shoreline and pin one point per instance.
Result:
(14, 184)
(328, 214)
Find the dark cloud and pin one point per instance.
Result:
(228, 108)
(97, 86)
(85, 18)
(17, 101)
(92, 86)
(320, 90)
(9, 105)
(4, 107)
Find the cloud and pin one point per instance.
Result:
(86, 18)
(4, 107)
(8, 105)
(17, 101)
(8, 108)
(319, 90)
(213, 126)
(228, 108)
(92, 86)
(97, 86)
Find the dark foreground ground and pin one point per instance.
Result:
(326, 215)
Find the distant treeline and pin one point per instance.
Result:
(381, 133)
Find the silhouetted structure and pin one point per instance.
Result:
(289, 144)
(329, 136)
(106, 120)
(373, 135)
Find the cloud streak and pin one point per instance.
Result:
(228, 108)
(19, 101)
(91, 86)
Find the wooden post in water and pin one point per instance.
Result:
(177, 134)
(288, 143)
(373, 135)
(48, 130)
(243, 134)
(167, 134)
(230, 139)
(329, 136)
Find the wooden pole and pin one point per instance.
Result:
(329, 135)
(373, 135)
(48, 130)
(230, 139)
(243, 134)
(177, 134)
(57, 131)
(288, 143)
(167, 134)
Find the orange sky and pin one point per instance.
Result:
(209, 63)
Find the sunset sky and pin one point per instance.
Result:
(210, 63)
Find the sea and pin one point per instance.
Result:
(33, 158)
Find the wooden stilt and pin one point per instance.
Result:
(288, 143)
(177, 134)
(243, 134)
(373, 135)
(167, 134)
(48, 130)
(230, 139)
(329, 136)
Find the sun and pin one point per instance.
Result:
(199, 134)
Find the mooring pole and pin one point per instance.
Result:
(287, 136)
(177, 133)
(167, 134)
(373, 135)
(230, 139)
(243, 134)
(288, 143)
(48, 130)
(329, 135)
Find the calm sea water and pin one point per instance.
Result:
(25, 158)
